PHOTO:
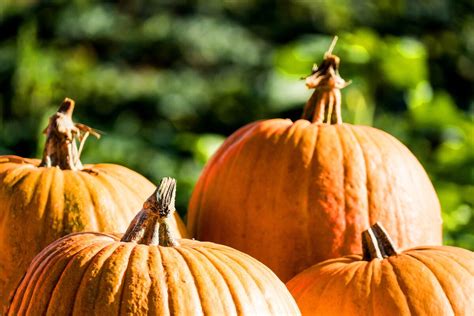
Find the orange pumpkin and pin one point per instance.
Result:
(432, 280)
(292, 194)
(45, 200)
(148, 272)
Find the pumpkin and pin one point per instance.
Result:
(292, 194)
(148, 272)
(45, 200)
(431, 280)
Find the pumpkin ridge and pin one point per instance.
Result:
(217, 263)
(166, 277)
(449, 256)
(44, 206)
(225, 281)
(243, 276)
(100, 246)
(181, 251)
(202, 183)
(18, 176)
(62, 273)
(352, 270)
(126, 192)
(102, 258)
(401, 288)
(366, 169)
(238, 145)
(435, 277)
(39, 274)
(94, 216)
(118, 177)
(399, 216)
(262, 273)
(344, 176)
(125, 272)
(308, 231)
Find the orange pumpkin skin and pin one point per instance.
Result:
(45, 200)
(40, 205)
(97, 274)
(435, 280)
(312, 187)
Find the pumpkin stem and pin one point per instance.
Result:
(150, 226)
(324, 105)
(61, 133)
(376, 243)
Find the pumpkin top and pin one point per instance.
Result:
(150, 226)
(61, 133)
(326, 82)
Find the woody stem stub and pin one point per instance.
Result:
(324, 105)
(61, 133)
(150, 226)
(376, 243)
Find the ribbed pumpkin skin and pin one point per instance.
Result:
(95, 274)
(40, 205)
(434, 281)
(294, 194)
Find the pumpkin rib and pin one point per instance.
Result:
(124, 275)
(403, 290)
(166, 274)
(125, 180)
(18, 173)
(373, 268)
(57, 292)
(186, 269)
(118, 193)
(82, 306)
(224, 280)
(56, 201)
(112, 191)
(248, 283)
(308, 231)
(185, 253)
(136, 283)
(32, 277)
(446, 254)
(238, 145)
(42, 272)
(398, 216)
(345, 214)
(240, 306)
(435, 277)
(366, 171)
(236, 258)
(94, 216)
(158, 284)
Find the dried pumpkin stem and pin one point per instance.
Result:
(150, 226)
(61, 133)
(324, 105)
(376, 243)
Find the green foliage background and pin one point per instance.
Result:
(167, 81)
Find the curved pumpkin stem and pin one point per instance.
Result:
(376, 243)
(324, 105)
(150, 226)
(61, 133)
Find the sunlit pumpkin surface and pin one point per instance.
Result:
(292, 194)
(434, 281)
(100, 274)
